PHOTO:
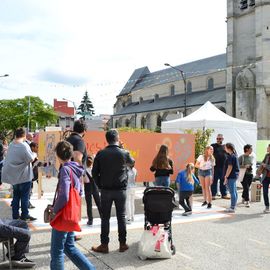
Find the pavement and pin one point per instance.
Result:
(208, 239)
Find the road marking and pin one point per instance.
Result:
(214, 244)
(257, 241)
(184, 255)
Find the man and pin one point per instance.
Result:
(1, 161)
(17, 229)
(110, 174)
(75, 138)
(220, 156)
(29, 138)
(17, 171)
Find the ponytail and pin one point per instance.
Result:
(189, 169)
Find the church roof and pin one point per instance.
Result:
(198, 98)
(142, 77)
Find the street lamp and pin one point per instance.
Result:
(74, 105)
(5, 75)
(185, 85)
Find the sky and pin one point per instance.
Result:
(62, 48)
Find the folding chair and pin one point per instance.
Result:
(7, 242)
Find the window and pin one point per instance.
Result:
(156, 96)
(172, 90)
(210, 84)
(189, 87)
(141, 99)
(116, 124)
(243, 4)
(143, 122)
(159, 120)
(127, 123)
(251, 2)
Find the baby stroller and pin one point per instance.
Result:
(159, 203)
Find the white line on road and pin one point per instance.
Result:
(257, 241)
(184, 255)
(214, 244)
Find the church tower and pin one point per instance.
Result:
(248, 62)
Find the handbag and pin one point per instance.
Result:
(48, 213)
(67, 219)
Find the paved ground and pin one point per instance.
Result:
(206, 240)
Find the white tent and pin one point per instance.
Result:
(236, 131)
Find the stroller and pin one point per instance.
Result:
(159, 203)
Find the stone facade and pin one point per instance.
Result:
(248, 62)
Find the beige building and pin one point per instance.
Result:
(237, 82)
(149, 98)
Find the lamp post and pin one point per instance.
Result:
(74, 105)
(185, 85)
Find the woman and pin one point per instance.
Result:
(63, 241)
(206, 163)
(231, 175)
(162, 165)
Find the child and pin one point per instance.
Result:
(130, 203)
(185, 183)
(90, 189)
(62, 242)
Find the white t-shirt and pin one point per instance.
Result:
(205, 165)
(132, 173)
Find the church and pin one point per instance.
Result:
(237, 82)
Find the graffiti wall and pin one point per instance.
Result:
(144, 146)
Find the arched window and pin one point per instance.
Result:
(156, 96)
(172, 90)
(210, 84)
(127, 123)
(189, 87)
(140, 99)
(143, 122)
(116, 124)
(159, 120)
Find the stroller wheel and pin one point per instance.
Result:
(173, 250)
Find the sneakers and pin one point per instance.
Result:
(103, 248)
(29, 219)
(128, 221)
(204, 203)
(187, 213)
(89, 222)
(31, 206)
(230, 210)
(247, 204)
(209, 205)
(24, 262)
(123, 247)
(226, 197)
(266, 210)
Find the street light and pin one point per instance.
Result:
(74, 105)
(5, 75)
(185, 85)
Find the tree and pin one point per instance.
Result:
(14, 114)
(86, 107)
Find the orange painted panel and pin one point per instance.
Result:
(144, 146)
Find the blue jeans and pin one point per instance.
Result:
(233, 191)
(218, 175)
(163, 181)
(266, 183)
(63, 242)
(21, 195)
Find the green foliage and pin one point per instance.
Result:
(202, 138)
(157, 129)
(86, 107)
(130, 129)
(14, 114)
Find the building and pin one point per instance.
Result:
(237, 82)
(98, 122)
(66, 114)
(149, 98)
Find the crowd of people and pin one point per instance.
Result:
(110, 177)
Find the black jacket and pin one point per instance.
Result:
(110, 168)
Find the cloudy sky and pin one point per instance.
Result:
(61, 48)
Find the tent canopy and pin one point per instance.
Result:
(236, 131)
